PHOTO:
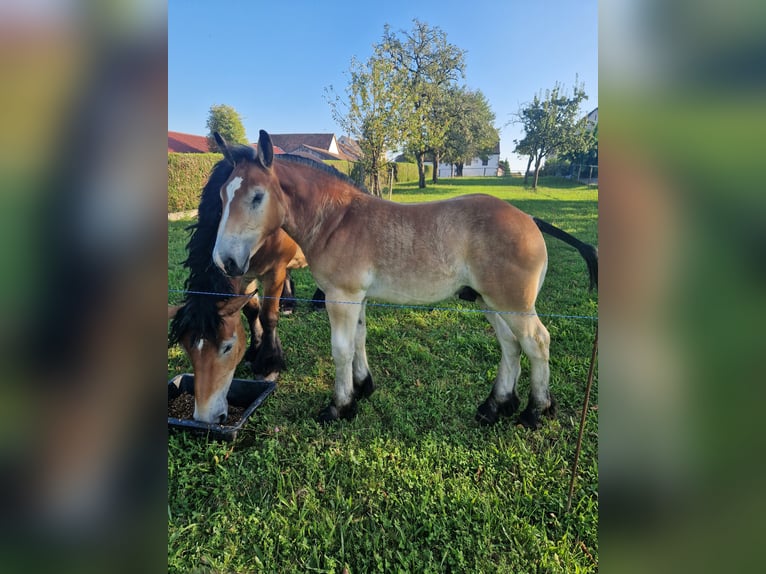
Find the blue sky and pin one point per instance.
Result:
(273, 60)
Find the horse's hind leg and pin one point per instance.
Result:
(252, 311)
(535, 342)
(363, 385)
(287, 301)
(503, 399)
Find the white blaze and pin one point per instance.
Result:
(229, 191)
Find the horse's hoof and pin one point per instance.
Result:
(332, 413)
(486, 414)
(490, 410)
(509, 407)
(328, 414)
(364, 389)
(550, 412)
(529, 418)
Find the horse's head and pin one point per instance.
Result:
(214, 357)
(253, 206)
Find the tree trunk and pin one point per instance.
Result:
(459, 169)
(421, 170)
(526, 173)
(538, 161)
(375, 169)
(435, 175)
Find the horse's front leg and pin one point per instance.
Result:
(270, 358)
(344, 319)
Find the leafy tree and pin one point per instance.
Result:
(226, 121)
(505, 166)
(426, 64)
(470, 129)
(553, 125)
(589, 154)
(370, 113)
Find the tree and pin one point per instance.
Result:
(426, 64)
(226, 121)
(370, 113)
(470, 129)
(588, 156)
(552, 125)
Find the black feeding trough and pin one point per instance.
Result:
(244, 397)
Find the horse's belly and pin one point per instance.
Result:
(406, 291)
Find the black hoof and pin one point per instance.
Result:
(552, 409)
(490, 410)
(487, 413)
(332, 413)
(364, 389)
(267, 365)
(529, 418)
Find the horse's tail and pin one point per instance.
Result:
(588, 251)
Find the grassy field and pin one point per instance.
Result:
(413, 484)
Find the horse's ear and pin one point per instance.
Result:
(265, 149)
(223, 146)
(232, 305)
(172, 310)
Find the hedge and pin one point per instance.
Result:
(188, 173)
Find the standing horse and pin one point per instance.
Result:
(359, 247)
(208, 324)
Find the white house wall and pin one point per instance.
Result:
(473, 169)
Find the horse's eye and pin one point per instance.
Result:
(227, 348)
(257, 198)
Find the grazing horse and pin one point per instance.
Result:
(208, 324)
(359, 247)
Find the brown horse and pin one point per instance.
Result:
(208, 324)
(359, 247)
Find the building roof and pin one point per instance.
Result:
(316, 153)
(291, 142)
(350, 148)
(186, 143)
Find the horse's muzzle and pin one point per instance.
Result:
(232, 268)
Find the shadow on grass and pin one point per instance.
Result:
(457, 184)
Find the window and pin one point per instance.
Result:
(485, 162)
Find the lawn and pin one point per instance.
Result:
(412, 484)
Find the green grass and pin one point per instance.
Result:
(412, 484)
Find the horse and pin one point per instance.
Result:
(359, 247)
(208, 326)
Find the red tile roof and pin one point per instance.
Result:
(186, 143)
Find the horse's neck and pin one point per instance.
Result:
(314, 207)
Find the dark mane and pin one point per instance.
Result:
(322, 167)
(199, 314)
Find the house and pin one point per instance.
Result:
(591, 120)
(476, 167)
(186, 143)
(318, 146)
(315, 146)
(350, 148)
